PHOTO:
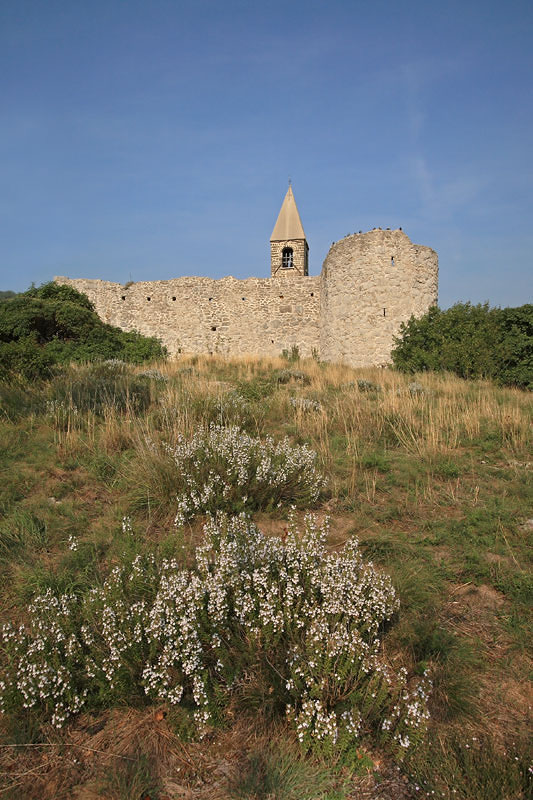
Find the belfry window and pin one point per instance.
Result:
(287, 258)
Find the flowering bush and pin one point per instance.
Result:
(232, 409)
(305, 404)
(305, 621)
(225, 469)
(154, 375)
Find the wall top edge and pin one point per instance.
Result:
(198, 280)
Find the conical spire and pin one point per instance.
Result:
(288, 224)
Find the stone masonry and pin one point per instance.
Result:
(370, 283)
(202, 315)
(300, 255)
(350, 313)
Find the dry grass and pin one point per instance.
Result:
(436, 484)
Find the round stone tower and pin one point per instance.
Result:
(370, 284)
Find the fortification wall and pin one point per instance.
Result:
(370, 284)
(202, 315)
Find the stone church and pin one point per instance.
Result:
(370, 283)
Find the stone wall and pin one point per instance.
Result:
(301, 255)
(202, 315)
(370, 284)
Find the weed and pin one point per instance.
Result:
(21, 533)
(291, 355)
(367, 386)
(279, 771)
(453, 766)
(130, 778)
(453, 662)
(98, 388)
(376, 461)
(283, 376)
(256, 389)
(446, 469)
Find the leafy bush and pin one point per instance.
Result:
(516, 366)
(25, 357)
(471, 341)
(299, 619)
(56, 324)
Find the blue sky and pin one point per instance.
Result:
(148, 140)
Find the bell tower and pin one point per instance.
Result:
(289, 251)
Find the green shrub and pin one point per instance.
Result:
(472, 341)
(24, 357)
(516, 365)
(7, 295)
(56, 324)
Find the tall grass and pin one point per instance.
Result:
(430, 472)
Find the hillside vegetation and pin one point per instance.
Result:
(53, 324)
(262, 579)
(473, 341)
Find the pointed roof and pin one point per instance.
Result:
(288, 224)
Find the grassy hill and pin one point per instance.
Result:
(108, 475)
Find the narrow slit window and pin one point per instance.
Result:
(287, 258)
(392, 261)
(384, 312)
